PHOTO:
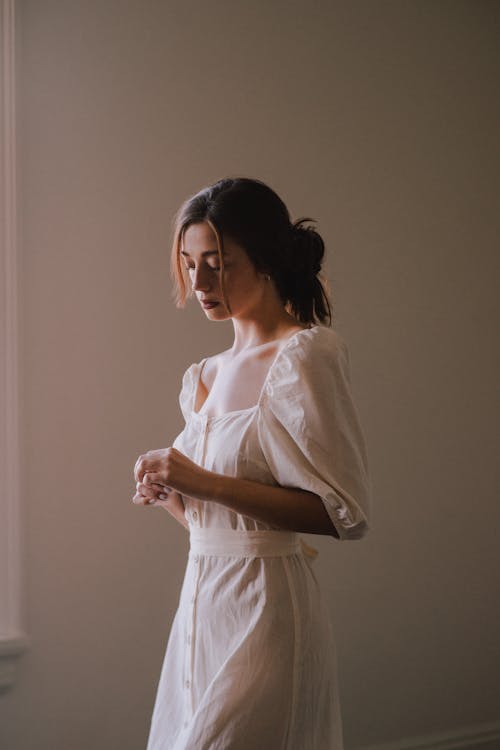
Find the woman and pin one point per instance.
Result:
(272, 446)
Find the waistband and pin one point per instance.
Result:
(240, 543)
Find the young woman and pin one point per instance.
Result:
(272, 447)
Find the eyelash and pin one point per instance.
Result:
(213, 268)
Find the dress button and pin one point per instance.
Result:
(196, 558)
(188, 684)
(195, 515)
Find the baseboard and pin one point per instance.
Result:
(463, 738)
(11, 648)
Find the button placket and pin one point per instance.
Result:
(190, 635)
(191, 619)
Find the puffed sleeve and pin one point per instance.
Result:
(309, 429)
(186, 395)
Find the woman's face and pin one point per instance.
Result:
(245, 287)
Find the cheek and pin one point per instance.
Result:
(242, 282)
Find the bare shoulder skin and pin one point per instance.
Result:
(230, 382)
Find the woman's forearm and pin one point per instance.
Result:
(282, 507)
(178, 516)
(175, 506)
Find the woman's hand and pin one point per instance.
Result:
(157, 495)
(151, 494)
(161, 471)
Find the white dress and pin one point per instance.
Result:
(250, 662)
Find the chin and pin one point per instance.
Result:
(217, 313)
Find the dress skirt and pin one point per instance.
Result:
(250, 662)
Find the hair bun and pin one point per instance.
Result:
(307, 248)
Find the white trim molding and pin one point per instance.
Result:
(474, 737)
(13, 640)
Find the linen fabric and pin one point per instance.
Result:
(251, 657)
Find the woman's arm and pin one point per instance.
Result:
(283, 507)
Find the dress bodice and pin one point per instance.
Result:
(303, 432)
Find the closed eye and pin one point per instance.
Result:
(212, 268)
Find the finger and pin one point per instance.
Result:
(140, 467)
(145, 488)
(148, 491)
(152, 477)
(140, 499)
(151, 490)
(156, 491)
(137, 466)
(143, 500)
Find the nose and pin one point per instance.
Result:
(200, 279)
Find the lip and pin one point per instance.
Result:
(209, 303)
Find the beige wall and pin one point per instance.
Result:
(376, 118)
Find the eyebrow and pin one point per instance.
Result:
(207, 252)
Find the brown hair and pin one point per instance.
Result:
(255, 217)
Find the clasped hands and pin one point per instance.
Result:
(158, 473)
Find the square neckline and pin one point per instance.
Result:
(247, 409)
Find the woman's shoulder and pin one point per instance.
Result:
(315, 343)
(307, 360)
